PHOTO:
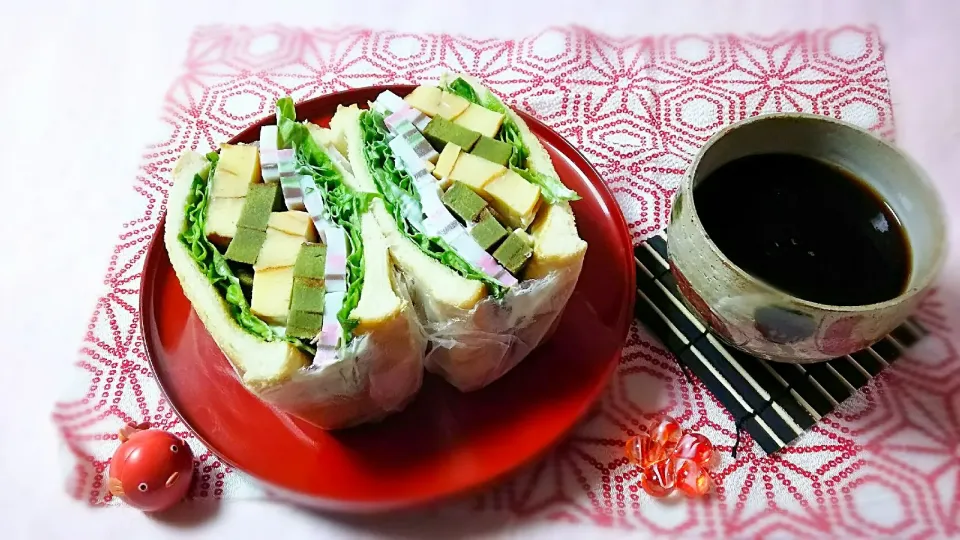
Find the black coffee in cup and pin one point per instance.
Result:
(806, 227)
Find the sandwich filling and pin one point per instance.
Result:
(552, 190)
(455, 173)
(276, 231)
(211, 262)
(342, 207)
(403, 201)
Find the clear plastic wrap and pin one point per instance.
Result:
(377, 375)
(473, 348)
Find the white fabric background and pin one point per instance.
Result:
(74, 80)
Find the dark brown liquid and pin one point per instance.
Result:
(806, 227)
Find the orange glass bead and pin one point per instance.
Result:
(641, 450)
(658, 479)
(691, 479)
(695, 447)
(666, 432)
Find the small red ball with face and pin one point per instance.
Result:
(151, 470)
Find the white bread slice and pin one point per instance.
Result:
(557, 244)
(347, 120)
(322, 136)
(261, 364)
(379, 303)
(441, 284)
(338, 124)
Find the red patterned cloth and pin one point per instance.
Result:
(886, 464)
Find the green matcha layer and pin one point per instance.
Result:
(310, 262)
(439, 132)
(492, 150)
(464, 202)
(307, 295)
(515, 251)
(304, 324)
(245, 246)
(488, 231)
(262, 199)
(306, 299)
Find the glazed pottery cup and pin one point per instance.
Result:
(764, 321)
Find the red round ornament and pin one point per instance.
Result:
(643, 451)
(670, 459)
(695, 447)
(658, 479)
(151, 470)
(666, 432)
(691, 478)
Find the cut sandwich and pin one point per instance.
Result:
(289, 271)
(475, 217)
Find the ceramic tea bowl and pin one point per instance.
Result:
(764, 321)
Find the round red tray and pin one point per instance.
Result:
(443, 443)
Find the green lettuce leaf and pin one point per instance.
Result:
(211, 262)
(399, 194)
(286, 109)
(463, 89)
(551, 188)
(344, 205)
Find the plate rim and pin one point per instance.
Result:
(581, 162)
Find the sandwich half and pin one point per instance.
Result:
(290, 273)
(475, 217)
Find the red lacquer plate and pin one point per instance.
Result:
(445, 442)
